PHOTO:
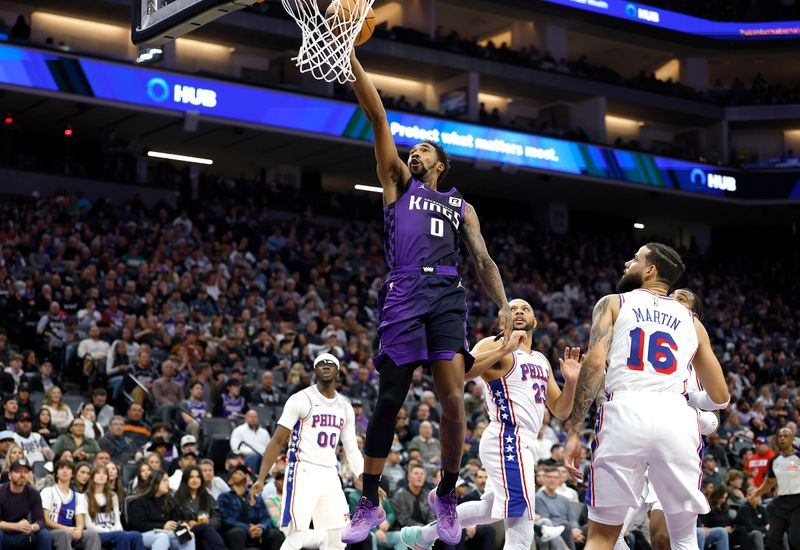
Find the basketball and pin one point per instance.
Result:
(346, 9)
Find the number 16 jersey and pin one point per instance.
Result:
(653, 344)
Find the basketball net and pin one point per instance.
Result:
(327, 41)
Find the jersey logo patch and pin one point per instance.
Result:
(455, 201)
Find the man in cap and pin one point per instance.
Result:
(231, 403)
(314, 420)
(33, 444)
(21, 514)
(189, 444)
(759, 462)
(245, 519)
(186, 460)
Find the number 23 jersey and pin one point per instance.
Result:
(653, 344)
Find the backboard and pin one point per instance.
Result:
(158, 21)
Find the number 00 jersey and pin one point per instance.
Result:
(653, 344)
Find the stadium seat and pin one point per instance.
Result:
(74, 402)
(39, 471)
(216, 426)
(216, 449)
(128, 472)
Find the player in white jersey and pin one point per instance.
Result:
(518, 383)
(315, 420)
(708, 423)
(649, 340)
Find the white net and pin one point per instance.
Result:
(328, 38)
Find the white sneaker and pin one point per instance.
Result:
(549, 532)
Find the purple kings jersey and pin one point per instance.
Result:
(421, 227)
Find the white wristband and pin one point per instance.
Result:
(701, 400)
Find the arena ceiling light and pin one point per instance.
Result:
(638, 225)
(181, 158)
(370, 188)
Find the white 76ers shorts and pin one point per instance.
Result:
(637, 430)
(509, 463)
(312, 491)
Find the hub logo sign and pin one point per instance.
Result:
(644, 14)
(700, 179)
(159, 90)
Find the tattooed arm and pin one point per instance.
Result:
(486, 268)
(591, 376)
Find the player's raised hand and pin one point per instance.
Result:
(571, 364)
(572, 457)
(506, 322)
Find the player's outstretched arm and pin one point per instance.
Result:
(490, 351)
(350, 443)
(559, 400)
(487, 269)
(276, 444)
(392, 171)
(591, 376)
(709, 371)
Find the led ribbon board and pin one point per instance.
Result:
(680, 22)
(161, 90)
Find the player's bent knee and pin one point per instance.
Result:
(608, 516)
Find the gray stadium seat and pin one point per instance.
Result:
(73, 402)
(216, 426)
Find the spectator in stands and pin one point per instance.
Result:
(153, 513)
(364, 388)
(94, 348)
(167, 393)
(51, 327)
(103, 411)
(163, 431)
(102, 458)
(231, 403)
(550, 505)
(14, 453)
(245, 524)
(710, 471)
(33, 444)
(565, 490)
(14, 369)
(82, 447)
(759, 462)
(44, 425)
(752, 517)
(184, 461)
(142, 477)
(45, 379)
(60, 414)
(194, 409)
(115, 480)
(410, 503)
(80, 480)
(213, 484)
(22, 523)
(733, 483)
(136, 428)
(24, 398)
(251, 439)
(720, 518)
(66, 512)
(103, 514)
(117, 365)
(8, 419)
(121, 447)
(428, 445)
(268, 395)
(86, 413)
(145, 372)
(197, 508)
(393, 471)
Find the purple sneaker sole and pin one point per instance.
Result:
(362, 522)
(448, 529)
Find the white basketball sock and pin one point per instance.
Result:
(519, 533)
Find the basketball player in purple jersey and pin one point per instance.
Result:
(423, 311)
